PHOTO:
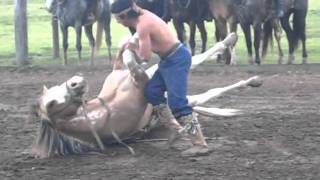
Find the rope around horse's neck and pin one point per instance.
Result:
(92, 129)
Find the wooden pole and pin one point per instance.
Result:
(21, 32)
(55, 37)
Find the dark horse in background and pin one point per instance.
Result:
(192, 12)
(254, 13)
(158, 7)
(260, 13)
(295, 31)
(74, 13)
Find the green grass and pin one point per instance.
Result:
(40, 40)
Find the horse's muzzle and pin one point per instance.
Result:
(76, 86)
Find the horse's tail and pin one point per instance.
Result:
(267, 37)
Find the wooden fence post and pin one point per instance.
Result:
(55, 37)
(21, 32)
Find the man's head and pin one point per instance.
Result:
(124, 10)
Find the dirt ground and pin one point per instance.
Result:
(277, 137)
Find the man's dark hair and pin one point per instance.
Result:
(119, 5)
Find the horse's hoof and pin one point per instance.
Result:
(230, 40)
(255, 82)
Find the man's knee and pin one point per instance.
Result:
(147, 93)
(153, 97)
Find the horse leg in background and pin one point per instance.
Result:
(221, 33)
(88, 31)
(107, 33)
(192, 42)
(233, 28)
(257, 41)
(299, 21)
(289, 32)
(203, 33)
(217, 30)
(181, 32)
(247, 33)
(64, 30)
(78, 29)
(277, 34)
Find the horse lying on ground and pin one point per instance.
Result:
(71, 125)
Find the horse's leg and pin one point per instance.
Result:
(300, 21)
(199, 99)
(257, 41)
(180, 30)
(192, 42)
(107, 33)
(233, 28)
(220, 34)
(203, 33)
(136, 71)
(64, 30)
(78, 29)
(88, 31)
(277, 34)
(247, 33)
(217, 30)
(224, 32)
(289, 32)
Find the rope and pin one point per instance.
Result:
(114, 134)
(93, 130)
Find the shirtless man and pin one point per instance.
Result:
(154, 35)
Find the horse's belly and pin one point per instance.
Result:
(127, 110)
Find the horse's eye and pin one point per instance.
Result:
(51, 104)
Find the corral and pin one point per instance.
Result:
(277, 137)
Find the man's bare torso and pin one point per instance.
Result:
(161, 36)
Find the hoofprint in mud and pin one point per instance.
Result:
(71, 125)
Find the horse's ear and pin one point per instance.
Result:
(45, 89)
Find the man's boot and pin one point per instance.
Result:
(166, 117)
(192, 126)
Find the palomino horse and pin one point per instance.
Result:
(71, 125)
(193, 12)
(74, 13)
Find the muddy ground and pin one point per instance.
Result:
(277, 138)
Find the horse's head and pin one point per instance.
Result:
(62, 101)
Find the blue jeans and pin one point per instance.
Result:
(171, 76)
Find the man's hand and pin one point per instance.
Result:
(132, 46)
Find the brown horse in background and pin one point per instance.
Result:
(224, 13)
